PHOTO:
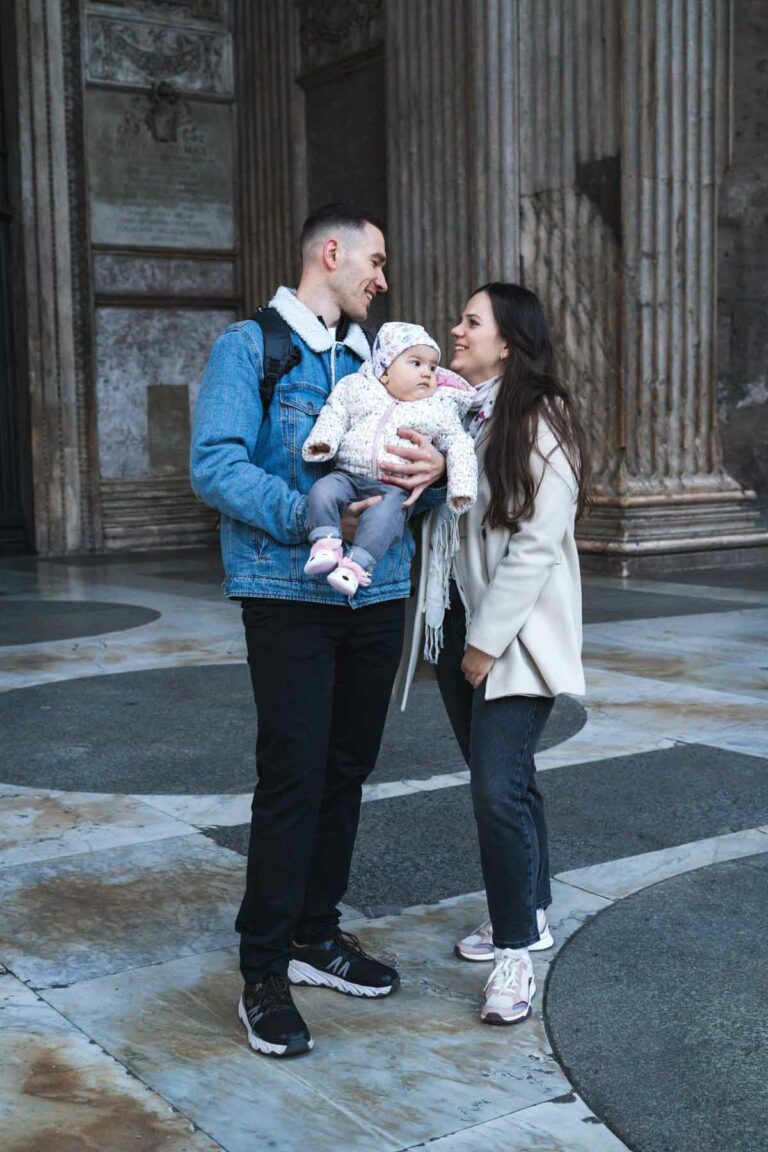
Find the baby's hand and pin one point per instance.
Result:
(319, 449)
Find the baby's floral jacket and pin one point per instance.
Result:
(360, 418)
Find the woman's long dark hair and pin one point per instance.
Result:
(529, 390)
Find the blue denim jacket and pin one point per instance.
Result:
(248, 464)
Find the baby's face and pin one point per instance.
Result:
(412, 375)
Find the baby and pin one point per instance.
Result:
(360, 417)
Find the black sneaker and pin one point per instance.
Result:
(342, 964)
(271, 1018)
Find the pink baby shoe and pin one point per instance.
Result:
(324, 555)
(348, 577)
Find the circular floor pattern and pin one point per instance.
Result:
(192, 730)
(37, 621)
(656, 1010)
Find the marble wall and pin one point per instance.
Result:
(743, 260)
(160, 132)
(138, 349)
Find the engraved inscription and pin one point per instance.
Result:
(160, 192)
(140, 52)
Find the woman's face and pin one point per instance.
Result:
(478, 348)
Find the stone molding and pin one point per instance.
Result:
(157, 512)
(332, 32)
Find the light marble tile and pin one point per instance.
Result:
(175, 1026)
(392, 788)
(43, 826)
(59, 1090)
(711, 591)
(383, 1075)
(618, 878)
(563, 1125)
(217, 638)
(622, 706)
(213, 811)
(680, 650)
(83, 916)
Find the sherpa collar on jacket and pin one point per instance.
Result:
(311, 329)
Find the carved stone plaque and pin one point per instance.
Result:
(130, 51)
(160, 182)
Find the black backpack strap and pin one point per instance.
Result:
(280, 353)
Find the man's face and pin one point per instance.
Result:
(359, 274)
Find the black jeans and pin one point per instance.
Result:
(498, 739)
(322, 675)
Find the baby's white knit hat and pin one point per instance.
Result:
(393, 339)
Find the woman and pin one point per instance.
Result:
(511, 633)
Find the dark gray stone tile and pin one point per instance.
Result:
(679, 968)
(193, 730)
(422, 848)
(37, 621)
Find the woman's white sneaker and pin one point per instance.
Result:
(510, 988)
(478, 946)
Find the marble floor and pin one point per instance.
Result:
(125, 784)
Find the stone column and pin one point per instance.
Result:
(47, 258)
(668, 491)
(452, 157)
(271, 162)
(576, 145)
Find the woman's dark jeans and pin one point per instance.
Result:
(498, 739)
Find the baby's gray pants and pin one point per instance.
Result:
(380, 526)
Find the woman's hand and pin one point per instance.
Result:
(476, 665)
(422, 465)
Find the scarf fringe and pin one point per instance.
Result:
(443, 546)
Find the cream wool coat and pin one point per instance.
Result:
(523, 589)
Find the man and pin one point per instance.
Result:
(322, 668)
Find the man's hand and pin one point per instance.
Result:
(422, 465)
(476, 665)
(351, 517)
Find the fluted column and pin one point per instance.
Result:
(47, 258)
(623, 137)
(570, 202)
(452, 156)
(272, 192)
(670, 493)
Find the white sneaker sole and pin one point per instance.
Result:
(301, 973)
(503, 1018)
(264, 1046)
(486, 955)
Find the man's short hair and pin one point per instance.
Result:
(334, 216)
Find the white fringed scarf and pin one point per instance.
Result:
(444, 541)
